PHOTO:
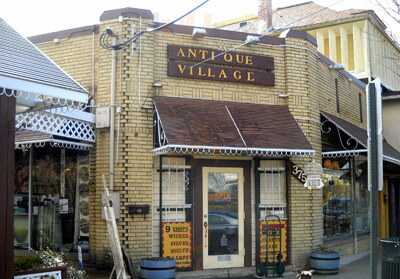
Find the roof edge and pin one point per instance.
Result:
(67, 33)
(126, 12)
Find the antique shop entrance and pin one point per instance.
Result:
(223, 217)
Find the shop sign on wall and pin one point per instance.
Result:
(273, 228)
(177, 243)
(219, 66)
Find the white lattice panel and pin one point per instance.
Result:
(56, 125)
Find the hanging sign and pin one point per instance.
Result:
(218, 65)
(177, 243)
(277, 231)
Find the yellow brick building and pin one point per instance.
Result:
(239, 135)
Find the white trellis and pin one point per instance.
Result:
(58, 125)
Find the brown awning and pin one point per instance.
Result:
(204, 126)
(390, 154)
(25, 139)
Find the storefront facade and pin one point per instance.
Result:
(216, 147)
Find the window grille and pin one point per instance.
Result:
(272, 188)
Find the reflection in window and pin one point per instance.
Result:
(337, 198)
(361, 195)
(340, 200)
(223, 205)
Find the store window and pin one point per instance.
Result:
(345, 197)
(361, 195)
(45, 204)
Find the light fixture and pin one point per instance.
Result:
(335, 66)
(198, 32)
(251, 39)
(157, 84)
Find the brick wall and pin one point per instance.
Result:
(308, 84)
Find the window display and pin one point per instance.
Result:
(45, 198)
(345, 206)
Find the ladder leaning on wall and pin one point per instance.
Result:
(115, 245)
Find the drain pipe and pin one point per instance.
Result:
(112, 114)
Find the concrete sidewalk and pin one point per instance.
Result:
(356, 270)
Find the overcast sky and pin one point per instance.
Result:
(31, 17)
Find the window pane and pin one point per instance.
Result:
(337, 198)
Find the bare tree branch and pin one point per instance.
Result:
(393, 12)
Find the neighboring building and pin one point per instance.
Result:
(42, 183)
(215, 147)
(358, 40)
(355, 38)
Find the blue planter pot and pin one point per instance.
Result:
(325, 262)
(158, 268)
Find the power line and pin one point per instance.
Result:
(267, 33)
(105, 38)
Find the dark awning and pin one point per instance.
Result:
(25, 139)
(390, 154)
(204, 126)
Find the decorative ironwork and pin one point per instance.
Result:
(56, 125)
(160, 139)
(233, 151)
(351, 143)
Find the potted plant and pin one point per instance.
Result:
(46, 263)
(325, 261)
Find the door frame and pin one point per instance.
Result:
(197, 178)
(211, 261)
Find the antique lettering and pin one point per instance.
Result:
(218, 65)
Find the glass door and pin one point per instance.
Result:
(223, 218)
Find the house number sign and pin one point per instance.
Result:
(217, 65)
(298, 173)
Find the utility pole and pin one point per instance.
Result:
(375, 169)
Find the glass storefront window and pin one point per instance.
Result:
(345, 207)
(54, 186)
(21, 199)
(337, 198)
(361, 195)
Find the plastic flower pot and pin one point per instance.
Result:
(158, 268)
(325, 262)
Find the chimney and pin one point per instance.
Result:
(265, 12)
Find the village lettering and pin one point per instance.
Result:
(220, 66)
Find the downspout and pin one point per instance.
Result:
(112, 115)
(93, 64)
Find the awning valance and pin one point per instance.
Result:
(25, 139)
(360, 135)
(33, 78)
(202, 126)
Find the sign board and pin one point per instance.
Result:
(177, 243)
(44, 275)
(273, 239)
(217, 65)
